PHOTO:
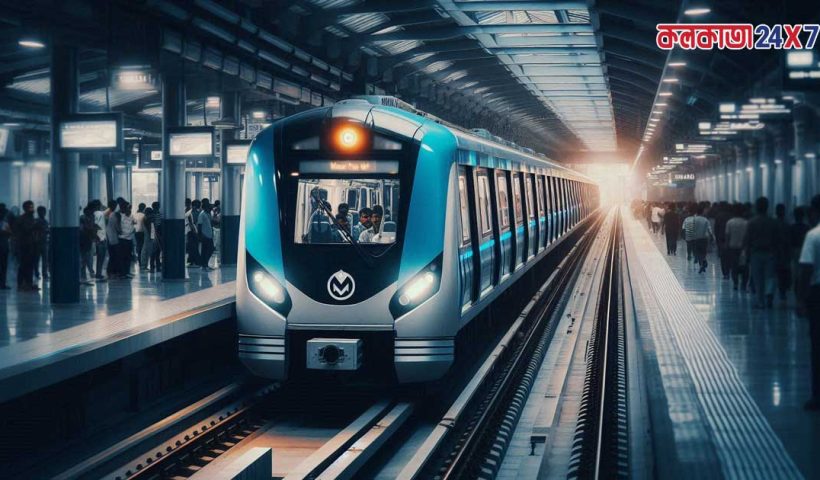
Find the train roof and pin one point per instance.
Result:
(478, 140)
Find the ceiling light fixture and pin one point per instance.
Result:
(696, 11)
(31, 43)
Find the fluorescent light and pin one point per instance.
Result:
(670, 80)
(11, 124)
(258, 114)
(665, 94)
(662, 104)
(31, 43)
(727, 107)
(800, 58)
(677, 64)
(696, 11)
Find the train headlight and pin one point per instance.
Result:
(418, 289)
(266, 287)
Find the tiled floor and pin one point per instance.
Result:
(768, 348)
(26, 315)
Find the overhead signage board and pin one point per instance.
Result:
(91, 132)
(801, 70)
(236, 153)
(150, 157)
(191, 142)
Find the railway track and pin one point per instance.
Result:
(601, 444)
(471, 439)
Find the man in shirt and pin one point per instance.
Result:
(139, 232)
(809, 296)
(126, 241)
(762, 244)
(698, 231)
(191, 232)
(363, 224)
(102, 243)
(206, 234)
(371, 234)
(735, 239)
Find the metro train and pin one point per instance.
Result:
(372, 233)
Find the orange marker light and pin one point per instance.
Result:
(349, 138)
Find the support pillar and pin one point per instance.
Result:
(65, 169)
(740, 174)
(803, 152)
(230, 181)
(766, 168)
(784, 167)
(173, 181)
(752, 171)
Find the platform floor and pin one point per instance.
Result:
(768, 353)
(27, 315)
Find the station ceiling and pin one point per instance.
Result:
(559, 76)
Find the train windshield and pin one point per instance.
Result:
(350, 208)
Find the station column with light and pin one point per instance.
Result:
(803, 153)
(173, 180)
(231, 177)
(65, 167)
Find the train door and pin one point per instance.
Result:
(502, 192)
(465, 250)
(485, 237)
(532, 229)
(542, 216)
(562, 193)
(553, 208)
(518, 209)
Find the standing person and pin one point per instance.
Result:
(206, 234)
(126, 240)
(25, 239)
(5, 235)
(699, 231)
(783, 261)
(657, 217)
(192, 233)
(762, 243)
(156, 223)
(722, 215)
(671, 226)
(139, 232)
(797, 235)
(112, 236)
(102, 243)
(808, 293)
(88, 239)
(146, 258)
(735, 238)
(41, 260)
(686, 234)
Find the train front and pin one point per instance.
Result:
(344, 241)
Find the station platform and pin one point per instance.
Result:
(42, 344)
(725, 383)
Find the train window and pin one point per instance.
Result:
(319, 220)
(519, 215)
(503, 199)
(528, 191)
(465, 209)
(539, 187)
(485, 222)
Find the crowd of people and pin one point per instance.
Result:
(113, 239)
(764, 255)
(757, 252)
